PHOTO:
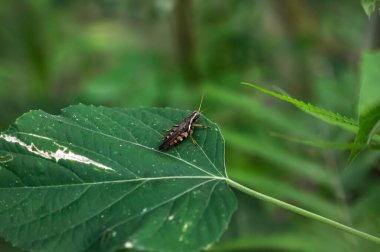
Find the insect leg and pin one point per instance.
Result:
(192, 138)
(201, 126)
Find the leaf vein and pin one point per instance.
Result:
(136, 144)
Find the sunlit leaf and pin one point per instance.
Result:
(369, 103)
(370, 6)
(92, 179)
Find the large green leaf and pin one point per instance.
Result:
(92, 179)
(369, 103)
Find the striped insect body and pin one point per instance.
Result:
(180, 132)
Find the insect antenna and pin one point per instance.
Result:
(203, 110)
(200, 104)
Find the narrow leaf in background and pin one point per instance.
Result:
(320, 113)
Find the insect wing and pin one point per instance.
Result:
(169, 140)
(175, 136)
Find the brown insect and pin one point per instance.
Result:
(181, 131)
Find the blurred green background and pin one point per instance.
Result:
(168, 52)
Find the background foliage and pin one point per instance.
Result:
(166, 52)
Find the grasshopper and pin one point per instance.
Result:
(181, 131)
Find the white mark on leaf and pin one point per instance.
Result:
(171, 217)
(207, 247)
(185, 227)
(181, 238)
(128, 244)
(61, 153)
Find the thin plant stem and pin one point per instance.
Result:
(303, 212)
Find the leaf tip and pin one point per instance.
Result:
(247, 84)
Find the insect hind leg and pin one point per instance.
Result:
(192, 138)
(197, 125)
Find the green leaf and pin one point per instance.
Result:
(320, 113)
(369, 82)
(369, 103)
(92, 179)
(369, 119)
(368, 125)
(371, 6)
(314, 143)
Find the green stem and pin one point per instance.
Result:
(303, 212)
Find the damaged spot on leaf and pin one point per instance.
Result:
(6, 158)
